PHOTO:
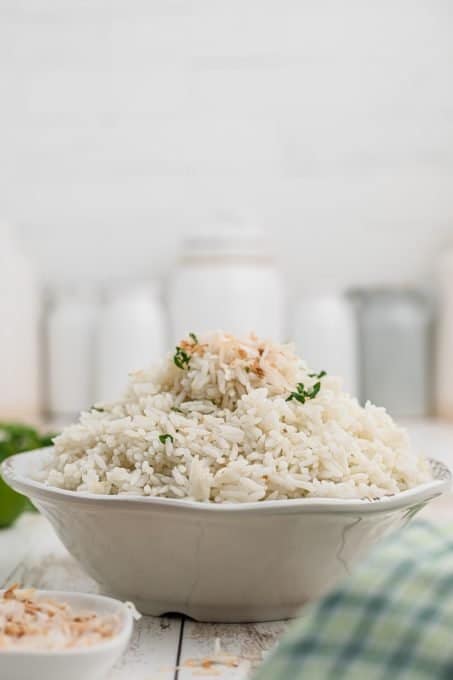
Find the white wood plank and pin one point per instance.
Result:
(14, 544)
(245, 645)
(152, 654)
(45, 563)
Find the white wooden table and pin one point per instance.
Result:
(173, 648)
(162, 648)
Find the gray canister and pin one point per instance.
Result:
(395, 330)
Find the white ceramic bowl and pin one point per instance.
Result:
(89, 663)
(217, 562)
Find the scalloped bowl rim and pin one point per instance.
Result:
(13, 470)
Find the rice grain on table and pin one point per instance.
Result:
(226, 420)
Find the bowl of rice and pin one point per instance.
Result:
(230, 483)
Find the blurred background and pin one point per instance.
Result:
(170, 166)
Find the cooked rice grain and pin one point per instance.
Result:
(234, 436)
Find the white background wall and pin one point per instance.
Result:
(123, 124)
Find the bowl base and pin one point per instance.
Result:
(220, 614)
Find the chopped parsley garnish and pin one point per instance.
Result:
(194, 338)
(97, 408)
(163, 438)
(301, 395)
(181, 358)
(317, 375)
(314, 390)
(176, 410)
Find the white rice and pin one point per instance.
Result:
(234, 436)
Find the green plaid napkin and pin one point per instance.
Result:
(393, 618)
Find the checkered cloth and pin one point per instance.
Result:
(393, 618)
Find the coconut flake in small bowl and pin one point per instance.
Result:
(60, 634)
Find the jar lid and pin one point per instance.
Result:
(226, 241)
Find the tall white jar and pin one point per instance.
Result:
(131, 335)
(71, 329)
(227, 280)
(325, 333)
(19, 334)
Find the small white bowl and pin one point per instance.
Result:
(87, 663)
(217, 562)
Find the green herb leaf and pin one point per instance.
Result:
(319, 375)
(98, 409)
(15, 438)
(47, 439)
(315, 389)
(301, 395)
(298, 396)
(163, 438)
(181, 358)
(194, 338)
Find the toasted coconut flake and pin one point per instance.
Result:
(9, 594)
(29, 622)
